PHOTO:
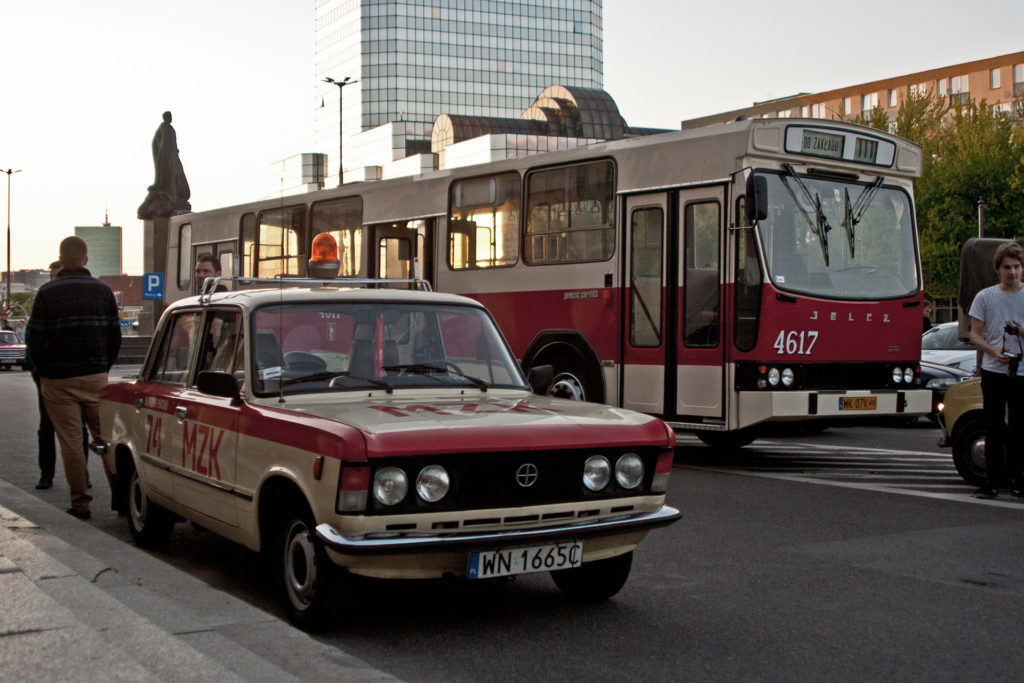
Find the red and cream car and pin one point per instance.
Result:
(379, 432)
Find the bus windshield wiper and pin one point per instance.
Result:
(820, 225)
(853, 214)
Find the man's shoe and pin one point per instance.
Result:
(986, 492)
(44, 483)
(80, 514)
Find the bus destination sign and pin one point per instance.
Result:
(821, 144)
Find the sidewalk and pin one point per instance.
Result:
(78, 604)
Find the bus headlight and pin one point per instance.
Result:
(787, 377)
(908, 375)
(897, 375)
(390, 486)
(597, 472)
(629, 471)
(773, 377)
(432, 483)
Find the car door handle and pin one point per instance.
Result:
(137, 403)
(181, 412)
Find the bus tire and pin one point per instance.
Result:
(149, 524)
(969, 451)
(727, 441)
(571, 378)
(594, 581)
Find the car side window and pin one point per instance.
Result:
(222, 342)
(171, 366)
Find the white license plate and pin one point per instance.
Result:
(538, 558)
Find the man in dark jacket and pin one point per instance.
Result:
(74, 338)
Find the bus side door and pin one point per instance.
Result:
(700, 347)
(394, 246)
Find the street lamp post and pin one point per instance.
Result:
(341, 125)
(9, 173)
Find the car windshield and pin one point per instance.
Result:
(330, 346)
(9, 338)
(942, 337)
(837, 239)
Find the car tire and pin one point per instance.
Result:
(309, 579)
(149, 524)
(727, 441)
(969, 451)
(594, 581)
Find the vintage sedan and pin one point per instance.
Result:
(12, 350)
(377, 432)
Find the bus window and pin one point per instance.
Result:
(747, 289)
(280, 236)
(343, 219)
(184, 255)
(701, 289)
(569, 214)
(248, 235)
(645, 267)
(483, 222)
(395, 259)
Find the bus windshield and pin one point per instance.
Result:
(838, 239)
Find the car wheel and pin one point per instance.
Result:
(594, 581)
(969, 452)
(727, 441)
(149, 524)
(310, 578)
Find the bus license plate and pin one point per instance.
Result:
(858, 403)
(538, 558)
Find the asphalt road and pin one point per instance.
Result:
(855, 554)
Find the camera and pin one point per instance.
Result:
(1012, 330)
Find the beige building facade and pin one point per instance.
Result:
(999, 81)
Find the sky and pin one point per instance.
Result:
(83, 84)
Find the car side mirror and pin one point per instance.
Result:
(217, 383)
(539, 378)
(757, 198)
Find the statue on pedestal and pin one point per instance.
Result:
(169, 192)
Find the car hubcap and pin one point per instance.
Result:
(300, 565)
(137, 503)
(978, 453)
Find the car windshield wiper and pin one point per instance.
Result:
(853, 214)
(820, 225)
(429, 369)
(332, 376)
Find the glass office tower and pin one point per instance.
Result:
(412, 60)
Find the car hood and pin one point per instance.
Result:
(950, 356)
(398, 425)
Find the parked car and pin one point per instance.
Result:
(376, 432)
(940, 344)
(12, 350)
(939, 378)
(962, 420)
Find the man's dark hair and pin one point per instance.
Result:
(211, 259)
(73, 252)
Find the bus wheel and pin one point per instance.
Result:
(594, 581)
(571, 379)
(727, 441)
(969, 452)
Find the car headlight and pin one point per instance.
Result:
(390, 485)
(597, 472)
(939, 382)
(629, 471)
(432, 483)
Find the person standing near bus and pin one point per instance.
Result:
(74, 338)
(926, 316)
(997, 315)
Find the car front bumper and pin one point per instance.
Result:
(386, 543)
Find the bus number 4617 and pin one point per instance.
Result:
(795, 343)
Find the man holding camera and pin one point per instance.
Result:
(996, 316)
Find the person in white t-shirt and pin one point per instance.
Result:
(997, 316)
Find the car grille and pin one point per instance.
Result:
(482, 481)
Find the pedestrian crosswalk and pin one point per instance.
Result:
(908, 472)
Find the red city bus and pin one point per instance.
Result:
(721, 278)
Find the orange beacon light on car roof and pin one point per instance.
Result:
(324, 261)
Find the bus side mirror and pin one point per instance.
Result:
(539, 377)
(757, 198)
